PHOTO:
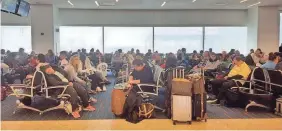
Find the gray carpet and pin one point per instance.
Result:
(103, 111)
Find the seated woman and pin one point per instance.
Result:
(72, 69)
(56, 76)
(98, 81)
(273, 59)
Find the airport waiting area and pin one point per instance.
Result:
(66, 65)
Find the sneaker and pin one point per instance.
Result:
(89, 108)
(98, 89)
(211, 101)
(104, 88)
(75, 114)
(214, 102)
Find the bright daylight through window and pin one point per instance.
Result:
(15, 37)
(126, 38)
(170, 39)
(74, 38)
(226, 38)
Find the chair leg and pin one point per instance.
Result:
(156, 107)
(253, 103)
(61, 106)
(22, 106)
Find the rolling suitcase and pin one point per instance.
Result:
(118, 100)
(181, 109)
(181, 102)
(199, 97)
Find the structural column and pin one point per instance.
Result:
(263, 28)
(42, 28)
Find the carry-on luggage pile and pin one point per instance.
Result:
(188, 100)
(181, 99)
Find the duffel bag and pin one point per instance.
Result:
(180, 86)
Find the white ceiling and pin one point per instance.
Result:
(156, 4)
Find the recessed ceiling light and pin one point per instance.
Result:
(254, 4)
(194, 0)
(163, 3)
(70, 3)
(243, 1)
(116, 0)
(96, 2)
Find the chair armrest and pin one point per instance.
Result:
(56, 87)
(147, 93)
(237, 80)
(18, 94)
(151, 85)
(17, 85)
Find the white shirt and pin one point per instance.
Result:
(102, 67)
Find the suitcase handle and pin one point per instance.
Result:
(176, 70)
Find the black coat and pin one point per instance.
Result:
(131, 105)
(53, 80)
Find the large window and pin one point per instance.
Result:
(74, 38)
(126, 38)
(226, 38)
(15, 37)
(170, 39)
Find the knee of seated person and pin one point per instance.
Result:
(226, 85)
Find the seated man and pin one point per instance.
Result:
(56, 77)
(240, 71)
(141, 74)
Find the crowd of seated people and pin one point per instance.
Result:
(68, 67)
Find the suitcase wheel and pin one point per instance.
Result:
(206, 120)
(174, 122)
(189, 122)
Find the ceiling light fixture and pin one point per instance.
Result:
(194, 1)
(243, 1)
(116, 0)
(96, 2)
(70, 3)
(254, 4)
(163, 3)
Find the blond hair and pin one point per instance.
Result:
(75, 61)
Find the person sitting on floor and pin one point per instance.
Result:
(240, 71)
(56, 76)
(273, 59)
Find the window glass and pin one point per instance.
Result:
(74, 38)
(126, 38)
(15, 37)
(226, 38)
(170, 39)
